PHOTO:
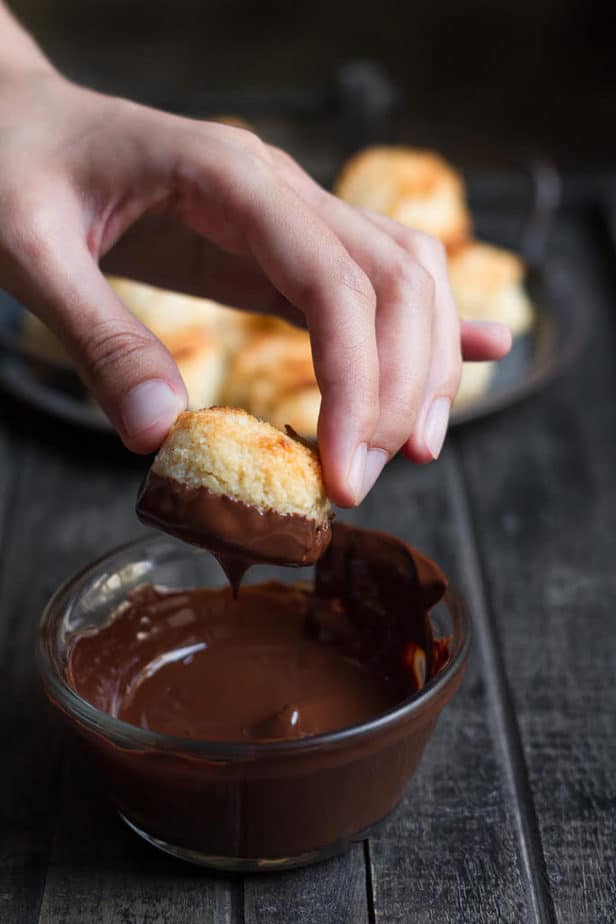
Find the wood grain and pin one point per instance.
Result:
(99, 871)
(332, 891)
(71, 509)
(541, 485)
(450, 853)
(29, 766)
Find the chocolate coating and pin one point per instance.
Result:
(238, 534)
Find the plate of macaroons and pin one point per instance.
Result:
(264, 365)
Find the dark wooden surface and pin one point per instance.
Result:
(512, 814)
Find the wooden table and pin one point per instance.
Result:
(512, 814)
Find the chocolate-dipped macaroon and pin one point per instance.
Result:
(239, 487)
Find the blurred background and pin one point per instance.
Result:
(483, 81)
(521, 96)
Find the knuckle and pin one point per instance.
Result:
(279, 156)
(342, 278)
(38, 230)
(398, 275)
(109, 344)
(408, 238)
(404, 277)
(420, 283)
(29, 227)
(430, 248)
(354, 280)
(251, 142)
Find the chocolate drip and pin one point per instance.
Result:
(238, 534)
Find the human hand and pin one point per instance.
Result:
(209, 209)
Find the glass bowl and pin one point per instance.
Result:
(238, 806)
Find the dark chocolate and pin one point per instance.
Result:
(280, 663)
(199, 665)
(238, 534)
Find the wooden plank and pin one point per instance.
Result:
(28, 769)
(451, 852)
(70, 505)
(541, 485)
(330, 891)
(502, 715)
(101, 872)
(54, 527)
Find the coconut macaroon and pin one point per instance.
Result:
(201, 335)
(239, 487)
(417, 188)
(273, 377)
(299, 409)
(474, 383)
(166, 313)
(201, 363)
(488, 284)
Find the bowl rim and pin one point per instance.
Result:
(124, 734)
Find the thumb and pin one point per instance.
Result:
(128, 370)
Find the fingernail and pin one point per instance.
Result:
(435, 428)
(355, 478)
(376, 460)
(366, 466)
(149, 404)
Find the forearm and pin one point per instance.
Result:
(18, 51)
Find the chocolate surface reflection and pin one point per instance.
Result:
(279, 662)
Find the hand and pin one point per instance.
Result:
(211, 210)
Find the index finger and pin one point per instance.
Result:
(236, 200)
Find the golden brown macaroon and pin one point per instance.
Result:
(474, 383)
(417, 188)
(201, 363)
(299, 409)
(273, 377)
(238, 486)
(165, 313)
(488, 284)
(200, 334)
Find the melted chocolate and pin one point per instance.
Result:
(198, 665)
(238, 534)
(279, 663)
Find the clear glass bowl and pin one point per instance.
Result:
(238, 806)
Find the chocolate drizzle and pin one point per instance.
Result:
(238, 534)
(386, 586)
